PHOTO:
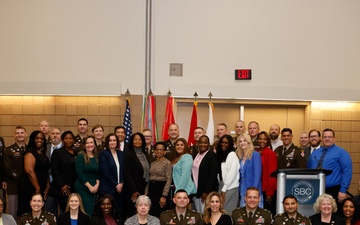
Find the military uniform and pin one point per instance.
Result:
(78, 143)
(256, 143)
(194, 150)
(150, 154)
(283, 219)
(100, 147)
(293, 157)
(170, 217)
(2, 147)
(260, 217)
(45, 218)
(13, 165)
(170, 150)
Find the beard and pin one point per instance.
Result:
(315, 144)
(273, 136)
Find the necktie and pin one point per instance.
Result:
(250, 215)
(284, 151)
(292, 220)
(319, 165)
(181, 217)
(22, 148)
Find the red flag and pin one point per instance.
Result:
(193, 125)
(169, 118)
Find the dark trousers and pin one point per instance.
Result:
(271, 206)
(155, 193)
(334, 192)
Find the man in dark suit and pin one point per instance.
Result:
(251, 214)
(289, 155)
(291, 216)
(120, 134)
(51, 203)
(315, 142)
(180, 215)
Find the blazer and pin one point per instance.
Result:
(64, 219)
(207, 181)
(181, 174)
(63, 171)
(152, 220)
(252, 175)
(134, 173)
(108, 177)
(8, 219)
(335, 220)
(99, 220)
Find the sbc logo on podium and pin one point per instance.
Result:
(303, 190)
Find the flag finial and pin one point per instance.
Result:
(127, 93)
(150, 93)
(195, 95)
(210, 95)
(169, 93)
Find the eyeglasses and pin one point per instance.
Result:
(148, 136)
(328, 137)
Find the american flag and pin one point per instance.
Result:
(127, 122)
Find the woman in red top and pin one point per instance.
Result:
(269, 165)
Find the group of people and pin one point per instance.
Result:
(141, 178)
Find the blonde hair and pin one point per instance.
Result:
(248, 151)
(207, 209)
(81, 207)
(324, 197)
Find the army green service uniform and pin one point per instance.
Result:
(283, 219)
(170, 217)
(260, 217)
(44, 219)
(170, 150)
(293, 157)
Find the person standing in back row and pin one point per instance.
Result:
(289, 155)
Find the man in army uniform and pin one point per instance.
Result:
(291, 216)
(37, 216)
(181, 215)
(221, 130)
(174, 134)
(149, 148)
(251, 214)
(2, 182)
(289, 155)
(82, 128)
(254, 130)
(13, 165)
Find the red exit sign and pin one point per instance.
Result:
(244, 74)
